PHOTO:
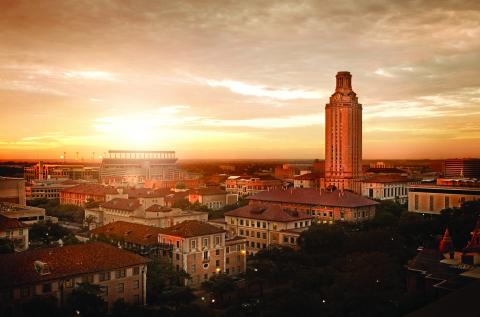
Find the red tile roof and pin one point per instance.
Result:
(91, 189)
(191, 228)
(309, 176)
(268, 212)
(388, 179)
(129, 232)
(7, 223)
(146, 192)
(208, 191)
(122, 204)
(158, 208)
(313, 197)
(63, 262)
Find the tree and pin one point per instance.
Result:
(86, 299)
(47, 232)
(6, 246)
(219, 285)
(41, 306)
(161, 276)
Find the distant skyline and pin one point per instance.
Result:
(240, 79)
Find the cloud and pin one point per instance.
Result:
(264, 91)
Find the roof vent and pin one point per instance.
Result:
(42, 268)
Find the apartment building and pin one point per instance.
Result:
(203, 250)
(57, 271)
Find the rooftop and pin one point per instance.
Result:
(309, 176)
(267, 212)
(70, 260)
(191, 228)
(91, 189)
(314, 197)
(129, 232)
(122, 204)
(208, 191)
(387, 170)
(146, 192)
(7, 223)
(388, 179)
(158, 208)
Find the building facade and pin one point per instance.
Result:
(57, 271)
(462, 168)
(213, 198)
(343, 137)
(388, 188)
(15, 231)
(26, 214)
(12, 190)
(203, 250)
(42, 171)
(432, 199)
(81, 194)
(325, 206)
(264, 225)
(47, 189)
(244, 186)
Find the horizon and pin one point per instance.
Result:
(236, 81)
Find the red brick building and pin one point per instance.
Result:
(80, 194)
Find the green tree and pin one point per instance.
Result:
(6, 246)
(41, 306)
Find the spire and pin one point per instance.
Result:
(344, 82)
(446, 245)
(474, 243)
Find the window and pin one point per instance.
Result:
(227, 250)
(274, 226)
(217, 263)
(205, 255)
(87, 278)
(120, 273)
(193, 244)
(205, 242)
(258, 224)
(241, 222)
(136, 270)
(177, 257)
(25, 291)
(178, 244)
(47, 287)
(241, 232)
(264, 225)
(264, 236)
(227, 260)
(120, 287)
(258, 245)
(247, 233)
(105, 276)
(247, 222)
(217, 240)
(194, 268)
(68, 283)
(447, 202)
(136, 284)
(20, 232)
(258, 235)
(431, 203)
(217, 252)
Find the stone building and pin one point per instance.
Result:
(203, 250)
(213, 198)
(15, 231)
(248, 185)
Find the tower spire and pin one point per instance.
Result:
(446, 245)
(344, 82)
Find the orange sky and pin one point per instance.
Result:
(241, 79)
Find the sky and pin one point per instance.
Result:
(236, 79)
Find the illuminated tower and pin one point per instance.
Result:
(343, 137)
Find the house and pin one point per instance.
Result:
(15, 231)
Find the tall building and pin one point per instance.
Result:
(343, 137)
(465, 168)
